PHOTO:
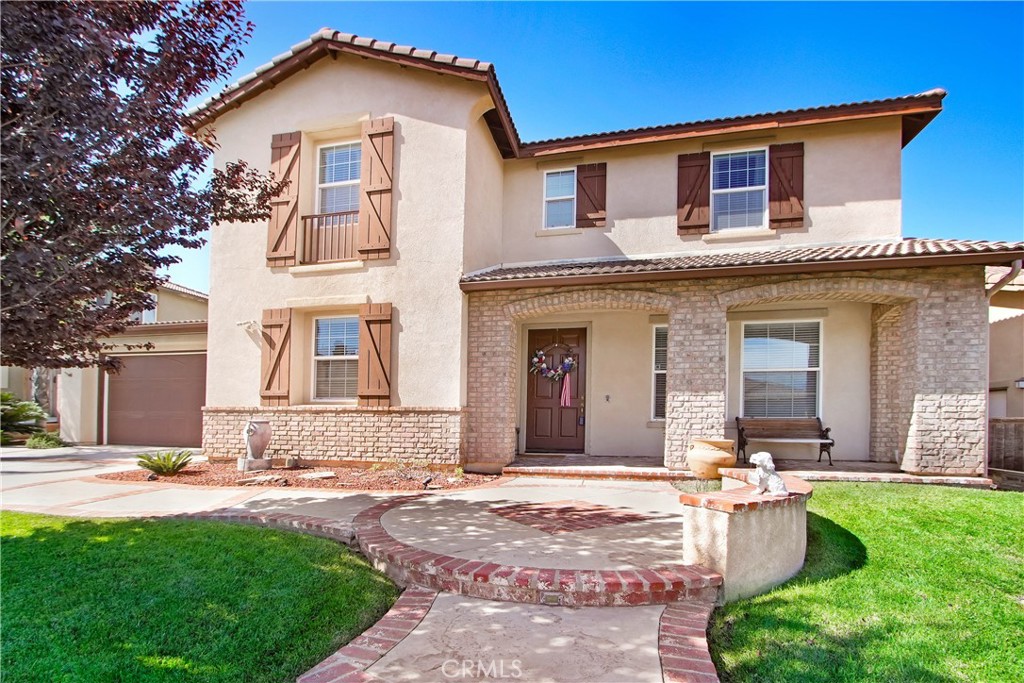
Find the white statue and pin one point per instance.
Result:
(765, 478)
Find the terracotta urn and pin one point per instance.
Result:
(705, 456)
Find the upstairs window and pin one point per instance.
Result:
(739, 182)
(338, 178)
(560, 199)
(148, 315)
(335, 358)
(660, 371)
(781, 369)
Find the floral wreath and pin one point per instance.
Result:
(539, 366)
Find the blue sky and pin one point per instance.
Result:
(571, 68)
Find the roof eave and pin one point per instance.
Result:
(916, 115)
(883, 263)
(505, 137)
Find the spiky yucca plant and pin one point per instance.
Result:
(165, 462)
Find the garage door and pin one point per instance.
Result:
(157, 401)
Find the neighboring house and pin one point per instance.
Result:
(157, 397)
(1006, 346)
(422, 253)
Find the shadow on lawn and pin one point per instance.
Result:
(773, 640)
(170, 600)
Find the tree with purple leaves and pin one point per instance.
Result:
(99, 177)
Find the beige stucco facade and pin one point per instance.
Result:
(852, 186)
(459, 359)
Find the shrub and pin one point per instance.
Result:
(166, 462)
(19, 417)
(45, 440)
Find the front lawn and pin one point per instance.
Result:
(902, 583)
(130, 600)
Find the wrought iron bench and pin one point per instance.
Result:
(784, 430)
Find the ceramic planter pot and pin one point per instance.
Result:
(705, 456)
(257, 437)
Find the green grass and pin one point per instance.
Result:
(123, 600)
(902, 583)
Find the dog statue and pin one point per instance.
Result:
(765, 478)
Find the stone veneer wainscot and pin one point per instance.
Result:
(341, 433)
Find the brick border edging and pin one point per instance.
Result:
(350, 663)
(408, 564)
(683, 643)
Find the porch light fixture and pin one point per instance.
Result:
(1019, 383)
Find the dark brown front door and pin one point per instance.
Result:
(157, 400)
(550, 427)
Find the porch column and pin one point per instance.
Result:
(892, 379)
(491, 385)
(947, 430)
(696, 380)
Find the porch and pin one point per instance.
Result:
(638, 468)
(894, 365)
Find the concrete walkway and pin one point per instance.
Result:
(566, 525)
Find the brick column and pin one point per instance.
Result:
(696, 375)
(492, 387)
(948, 425)
(892, 379)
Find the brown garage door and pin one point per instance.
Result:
(157, 401)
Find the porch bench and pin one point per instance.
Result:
(784, 430)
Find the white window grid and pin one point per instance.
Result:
(560, 198)
(320, 185)
(735, 190)
(817, 370)
(317, 358)
(658, 369)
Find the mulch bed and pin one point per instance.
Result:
(352, 478)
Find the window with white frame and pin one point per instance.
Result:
(739, 182)
(660, 371)
(338, 178)
(335, 358)
(560, 199)
(148, 315)
(781, 369)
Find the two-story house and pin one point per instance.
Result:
(423, 255)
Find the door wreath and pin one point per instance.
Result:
(539, 367)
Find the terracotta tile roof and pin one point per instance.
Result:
(916, 110)
(359, 41)
(187, 291)
(906, 253)
(889, 105)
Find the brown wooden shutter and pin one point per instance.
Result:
(276, 361)
(591, 189)
(283, 230)
(375, 199)
(374, 355)
(786, 185)
(694, 194)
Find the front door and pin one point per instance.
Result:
(550, 427)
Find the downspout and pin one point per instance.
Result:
(1015, 269)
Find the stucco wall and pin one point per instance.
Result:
(171, 306)
(77, 397)
(1006, 361)
(619, 381)
(327, 102)
(851, 181)
(845, 375)
(16, 381)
